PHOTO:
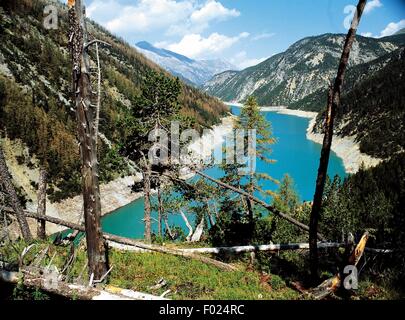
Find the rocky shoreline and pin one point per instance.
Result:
(345, 148)
(118, 193)
(115, 194)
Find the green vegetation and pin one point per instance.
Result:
(35, 98)
(237, 214)
(138, 97)
(373, 106)
(298, 77)
(187, 279)
(372, 200)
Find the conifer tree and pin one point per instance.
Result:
(245, 176)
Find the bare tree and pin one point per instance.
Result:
(160, 209)
(333, 104)
(79, 45)
(7, 183)
(41, 231)
(147, 191)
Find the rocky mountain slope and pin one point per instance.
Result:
(306, 67)
(196, 72)
(316, 101)
(373, 108)
(35, 85)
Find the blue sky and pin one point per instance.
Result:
(243, 32)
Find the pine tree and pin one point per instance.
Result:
(250, 119)
(155, 108)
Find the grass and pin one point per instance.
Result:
(186, 279)
(189, 279)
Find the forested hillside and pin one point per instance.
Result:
(304, 68)
(374, 108)
(316, 101)
(35, 94)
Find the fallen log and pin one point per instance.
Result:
(131, 242)
(266, 247)
(61, 288)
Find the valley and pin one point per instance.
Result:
(202, 150)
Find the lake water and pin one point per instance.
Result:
(294, 154)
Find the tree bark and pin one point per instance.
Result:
(198, 231)
(210, 217)
(333, 104)
(160, 211)
(147, 212)
(86, 132)
(333, 284)
(6, 181)
(41, 210)
(265, 247)
(190, 228)
(168, 229)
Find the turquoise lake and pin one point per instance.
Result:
(293, 153)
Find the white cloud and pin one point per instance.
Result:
(389, 30)
(148, 15)
(103, 11)
(174, 16)
(392, 28)
(212, 10)
(196, 46)
(371, 5)
(242, 61)
(264, 35)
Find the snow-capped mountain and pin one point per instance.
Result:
(195, 71)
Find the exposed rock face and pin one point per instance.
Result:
(372, 110)
(346, 148)
(307, 66)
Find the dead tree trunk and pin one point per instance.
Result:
(196, 237)
(35, 278)
(190, 228)
(210, 217)
(86, 132)
(168, 229)
(147, 212)
(160, 211)
(333, 104)
(41, 210)
(7, 183)
(333, 284)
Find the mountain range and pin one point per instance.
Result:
(195, 72)
(35, 96)
(304, 68)
(372, 106)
